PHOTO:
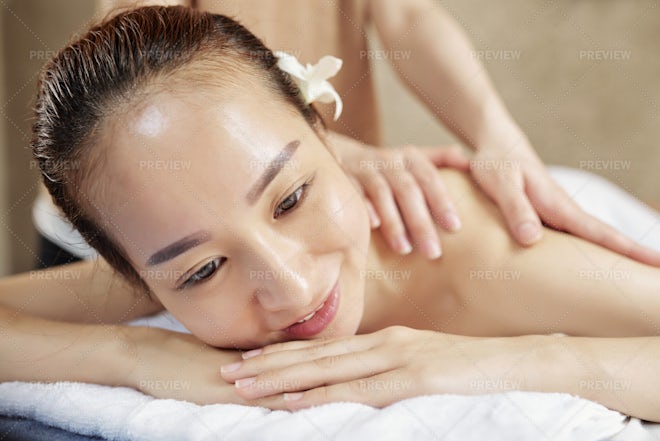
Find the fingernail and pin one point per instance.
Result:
(245, 382)
(252, 353)
(402, 245)
(453, 221)
(373, 217)
(293, 397)
(431, 249)
(230, 367)
(529, 232)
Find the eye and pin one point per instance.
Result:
(291, 201)
(204, 273)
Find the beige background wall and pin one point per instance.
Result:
(541, 56)
(4, 234)
(32, 30)
(574, 107)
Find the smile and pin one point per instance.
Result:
(317, 320)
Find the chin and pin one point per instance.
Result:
(351, 305)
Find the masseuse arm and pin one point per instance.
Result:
(441, 68)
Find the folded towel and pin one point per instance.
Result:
(125, 414)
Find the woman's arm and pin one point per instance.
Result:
(158, 362)
(397, 363)
(37, 349)
(38, 344)
(84, 292)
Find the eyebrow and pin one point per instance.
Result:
(271, 171)
(178, 247)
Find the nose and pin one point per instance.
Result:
(279, 274)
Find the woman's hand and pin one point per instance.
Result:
(381, 368)
(518, 182)
(168, 364)
(403, 191)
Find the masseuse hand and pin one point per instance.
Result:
(168, 364)
(384, 367)
(403, 191)
(518, 182)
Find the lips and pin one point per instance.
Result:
(317, 320)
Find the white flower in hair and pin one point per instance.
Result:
(312, 79)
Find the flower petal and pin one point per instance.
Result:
(289, 64)
(327, 67)
(312, 79)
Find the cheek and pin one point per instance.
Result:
(349, 215)
(208, 317)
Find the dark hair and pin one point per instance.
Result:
(99, 72)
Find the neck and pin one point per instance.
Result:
(387, 283)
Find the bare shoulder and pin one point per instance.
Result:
(480, 217)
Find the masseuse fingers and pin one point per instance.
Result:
(298, 354)
(317, 372)
(564, 214)
(453, 157)
(378, 391)
(379, 192)
(374, 219)
(437, 197)
(508, 192)
(415, 212)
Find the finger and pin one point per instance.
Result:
(297, 353)
(379, 391)
(306, 375)
(374, 219)
(436, 194)
(520, 216)
(292, 345)
(414, 210)
(380, 194)
(274, 402)
(453, 157)
(572, 219)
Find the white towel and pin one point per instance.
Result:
(125, 414)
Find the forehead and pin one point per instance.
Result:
(176, 163)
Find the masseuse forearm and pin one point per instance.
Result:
(432, 54)
(35, 349)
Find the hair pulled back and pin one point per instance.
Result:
(98, 73)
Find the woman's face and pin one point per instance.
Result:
(236, 215)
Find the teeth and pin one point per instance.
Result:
(312, 314)
(308, 317)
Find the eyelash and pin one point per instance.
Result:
(302, 190)
(203, 273)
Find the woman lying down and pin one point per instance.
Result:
(258, 241)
